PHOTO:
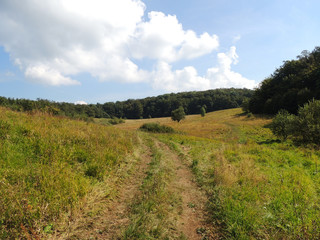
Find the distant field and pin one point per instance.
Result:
(213, 125)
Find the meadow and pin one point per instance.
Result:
(257, 186)
(52, 168)
(59, 176)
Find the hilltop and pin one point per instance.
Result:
(150, 107)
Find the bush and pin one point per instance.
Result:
(245, 105)
(156, 128)
(304, 127)
(308, 122)
(202, 111)
(283, 124)
(115, 121)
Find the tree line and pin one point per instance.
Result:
(150, 107)
(291, 86)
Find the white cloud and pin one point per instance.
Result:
(188, 79)
(81, 103)
(54, 40)
(178, 80)
(222, 76)
(163, 38)
(43, 74)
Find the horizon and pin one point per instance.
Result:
(85, 103)
(97, 51)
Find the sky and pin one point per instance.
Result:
(96, 51)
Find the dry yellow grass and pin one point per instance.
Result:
(213, 125)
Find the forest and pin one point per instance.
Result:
(292, 85)
(150, 107)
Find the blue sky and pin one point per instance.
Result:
(99, 51)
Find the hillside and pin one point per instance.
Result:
(51, 167)
(150, 107)
(222, 176)
(256, 186)
(292, 85)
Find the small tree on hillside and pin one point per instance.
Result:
(202, 111)
(178, 114)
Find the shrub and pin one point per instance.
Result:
(202, 111)
(156, 128)
(115, 121)
(249, 115)
(308, 122)
(305, 126)
(283, 124)
(245, 105)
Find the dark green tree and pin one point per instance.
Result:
(291, 86)
(178, 114)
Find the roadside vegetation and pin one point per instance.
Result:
(49, 166)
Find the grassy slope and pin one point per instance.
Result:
(258, 188)
(49, 166)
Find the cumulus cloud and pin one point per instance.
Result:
(178, 80)
(223, 76)
(54, 40)
(220, 76)
(163, 38)
(43, 74)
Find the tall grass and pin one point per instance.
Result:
(48, 165)
(257, 187)
(156, 207)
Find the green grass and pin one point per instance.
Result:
(257, 187)
(153, 210)
(49, 165)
